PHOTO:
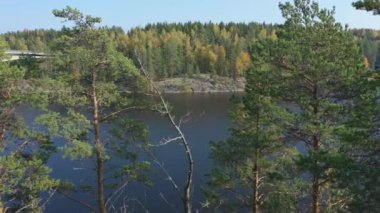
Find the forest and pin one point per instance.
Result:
(310, 82)
(185, 49)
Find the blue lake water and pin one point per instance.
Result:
(208, 121)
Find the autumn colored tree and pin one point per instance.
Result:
(243, 62)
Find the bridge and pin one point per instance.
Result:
(18, 54)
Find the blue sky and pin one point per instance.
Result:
(28, 14)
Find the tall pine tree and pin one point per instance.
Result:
(318, 61)
(253, 166)
(95, 76)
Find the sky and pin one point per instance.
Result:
(26, 14)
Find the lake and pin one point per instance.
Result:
(208, 121)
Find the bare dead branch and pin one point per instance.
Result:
(166, 141)
(48, 198)
(169, 177)
(22, 146)
(118, 195)
(167, 202)
(188, 183)
(116, 192)
(141, 204)
(184, 119)
(24, 207)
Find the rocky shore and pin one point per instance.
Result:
(201, 84)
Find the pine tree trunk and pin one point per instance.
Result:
(316, 195)
(98, 148)
(316, 192)
(99, 171)
(255, 192)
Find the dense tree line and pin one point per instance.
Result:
(173, 49)
(33, 40)
(370, 40)
(184, 49)
(191, 48)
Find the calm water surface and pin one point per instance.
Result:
(208, 121)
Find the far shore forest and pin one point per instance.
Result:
(98, 74)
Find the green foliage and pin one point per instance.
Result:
(368, 5)
(255, 147)
(73, 14)
(178, 50)
(23, 149)
(74, 128)
(24, 179)
(3, 46)
(360, 138)
(320, 62)
(316, 64)
(94, 81)
(31, 65)
(34, 40)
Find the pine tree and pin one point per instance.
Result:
(360, 137)
(253, 167)
(318, 61)
(94, 75)
(24, 151)
(369, 5)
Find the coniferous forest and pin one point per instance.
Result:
(302, 137)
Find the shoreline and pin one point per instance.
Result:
(201, 84)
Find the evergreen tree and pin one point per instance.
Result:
(253, 167)
(24, 151)
(360, 137)
(318, 61)
(94, 75)
(369, 5)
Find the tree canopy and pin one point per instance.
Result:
(368, 5)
